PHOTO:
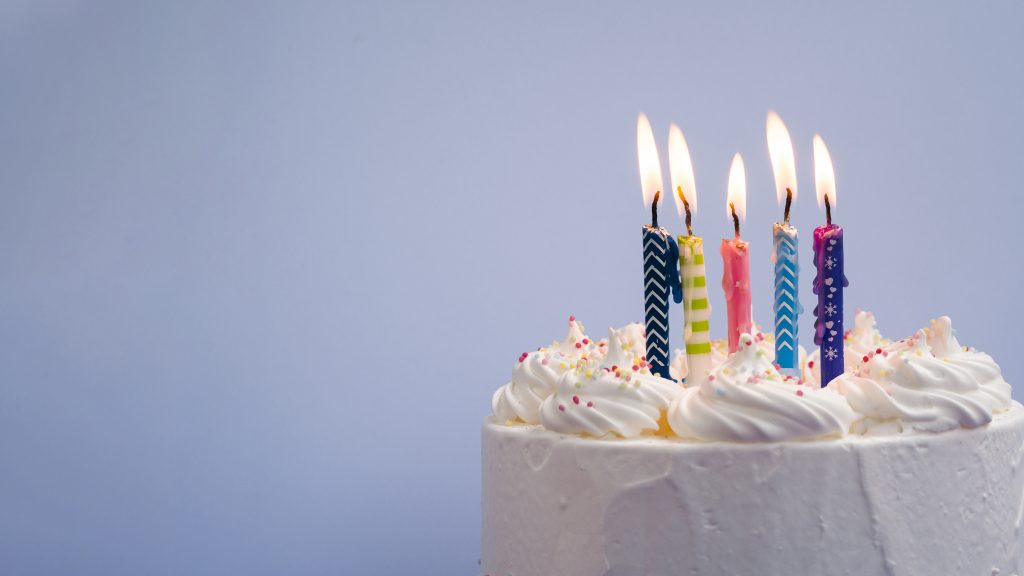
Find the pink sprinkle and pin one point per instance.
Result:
(544, 362)
(635, 367)
(578, 345)
(810, 364)
(799, 392)
(521, 358)
(590, 404)
(866, 358)
(644, 358)
(711, 377)
(885, 354)
(878, 350)
(575, 399)
(586, 340)
(572, 318)
(562, 408)
(748, 342)
(615, 368)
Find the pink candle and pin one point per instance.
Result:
(736, 259)
(736, 284)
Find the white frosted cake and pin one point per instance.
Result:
(907, 464)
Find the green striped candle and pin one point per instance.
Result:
(696, 309)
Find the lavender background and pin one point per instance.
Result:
(263, 264)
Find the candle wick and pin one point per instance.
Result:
(789, 203)
(654, 209)
(735, 219)
(686, 207)
(828, 211)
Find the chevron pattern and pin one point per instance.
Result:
(787, 301)
(696, 310)
(660, 274)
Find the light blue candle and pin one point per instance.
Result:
(785, 247)
(787, 296)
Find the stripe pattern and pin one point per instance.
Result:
(787, 295)
(660, 278)
(696, 310)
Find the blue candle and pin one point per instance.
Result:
(787, 301)
(784, 247)
(661, 256)
(661, 276)
(830, 279)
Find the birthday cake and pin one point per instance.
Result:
(906, 464)
(749, 456)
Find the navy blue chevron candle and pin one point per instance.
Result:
(661, 278)
(661, 256)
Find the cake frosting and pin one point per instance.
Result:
(614, 394)
(535, 375)
(745, 399)
(925, 383)
(858, 341)
(720, 351)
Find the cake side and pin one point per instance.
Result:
(909, 504)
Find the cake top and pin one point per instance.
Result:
(927, 382)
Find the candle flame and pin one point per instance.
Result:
(737, 197)
(824, 175)
(650, 165)
(681, 169)
(780, 150)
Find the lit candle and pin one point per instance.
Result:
(696, 309)
(736, 259)
(660, 254)
(784, 247)
(828, 261)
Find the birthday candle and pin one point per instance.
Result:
(696, 309)
(660, 255)
(736, 259)
(830, 279)
(784, 246)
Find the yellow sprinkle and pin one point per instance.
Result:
(562, 365)
(588, 373)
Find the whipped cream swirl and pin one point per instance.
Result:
(858, 341)
(617, 396)
(745, 399)
(679, 368)
(535, 375)
(927, 383)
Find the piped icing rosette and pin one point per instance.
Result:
(720, 351)
(858, 341)
(745, 399)
(535, 375)
(617, 395)
(927, 383)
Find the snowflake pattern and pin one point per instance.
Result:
(830, 353)
(831, 309)
(830, 262)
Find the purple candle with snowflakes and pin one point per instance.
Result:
(829, 280)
